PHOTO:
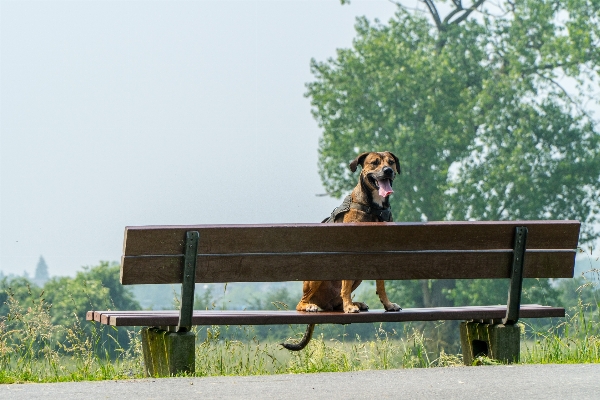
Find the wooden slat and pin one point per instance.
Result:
(171, 318)
(103, 316)
(469, 235)
(299, 267)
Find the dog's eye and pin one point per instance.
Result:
(391, 162)
(375, 162)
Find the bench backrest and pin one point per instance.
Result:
(297, 252)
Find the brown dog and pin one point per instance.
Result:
(368, 202)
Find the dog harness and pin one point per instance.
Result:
(384, 214)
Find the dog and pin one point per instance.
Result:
(368, 202)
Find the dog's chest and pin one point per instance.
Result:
(357, 216)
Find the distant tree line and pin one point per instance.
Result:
(67, 299)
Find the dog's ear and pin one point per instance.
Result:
(397, 162)
(358, 161)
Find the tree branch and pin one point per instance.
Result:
(499, 213)
(567, 95)
(434, 14)
(458, 9)
(398, 4)
(467, 12)
(546, 67)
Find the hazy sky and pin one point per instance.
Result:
(137, 113)
(167, 112)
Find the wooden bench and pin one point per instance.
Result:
(296, 252)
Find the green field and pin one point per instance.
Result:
(38, 351)
(44, 336)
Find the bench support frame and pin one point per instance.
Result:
(170, 351)
(516, 277)
(188, 284)
(495, 341)
(492, 339)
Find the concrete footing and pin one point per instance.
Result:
(496, 341)
(168, 353)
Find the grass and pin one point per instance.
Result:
(33, 349)
(215, 356)
(575, 339)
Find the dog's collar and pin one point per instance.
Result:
(384, 214)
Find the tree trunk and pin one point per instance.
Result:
(433, 292)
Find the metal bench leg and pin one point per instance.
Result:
(171, 351)
(495, 340)
(168, 353)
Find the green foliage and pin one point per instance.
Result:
(68, 300)
(578, 290)
(481, 292)
(574, 340)
(473, 111)
(96, 288)
(34, 349)
(472, 104)
(21, 290)
(237, 351)
(277, 299)
(204, 300)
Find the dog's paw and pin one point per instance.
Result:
(392, 307)
(361, 306)
(351, 308)
(312, 308)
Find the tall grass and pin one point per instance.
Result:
(33, 349)
(219, 355)
(573, 340)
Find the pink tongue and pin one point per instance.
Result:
(385, 189)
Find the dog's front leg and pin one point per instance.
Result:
(309, 289)
(387, 304)
(349, 306)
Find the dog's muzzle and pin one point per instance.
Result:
(383, 182)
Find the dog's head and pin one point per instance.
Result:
(378, 171)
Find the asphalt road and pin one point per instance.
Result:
(580, 381)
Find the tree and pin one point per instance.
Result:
(64, 301)
(20, 289)
(475, 106)
(96, 288)
(41, 273)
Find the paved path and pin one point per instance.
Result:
(580, 381)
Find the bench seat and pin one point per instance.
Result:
(229, 317)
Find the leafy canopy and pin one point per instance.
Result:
(476, 106)
(66, 300)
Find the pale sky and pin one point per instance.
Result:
(166, 112)
(138, 113)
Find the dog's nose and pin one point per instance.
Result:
(388, 171)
